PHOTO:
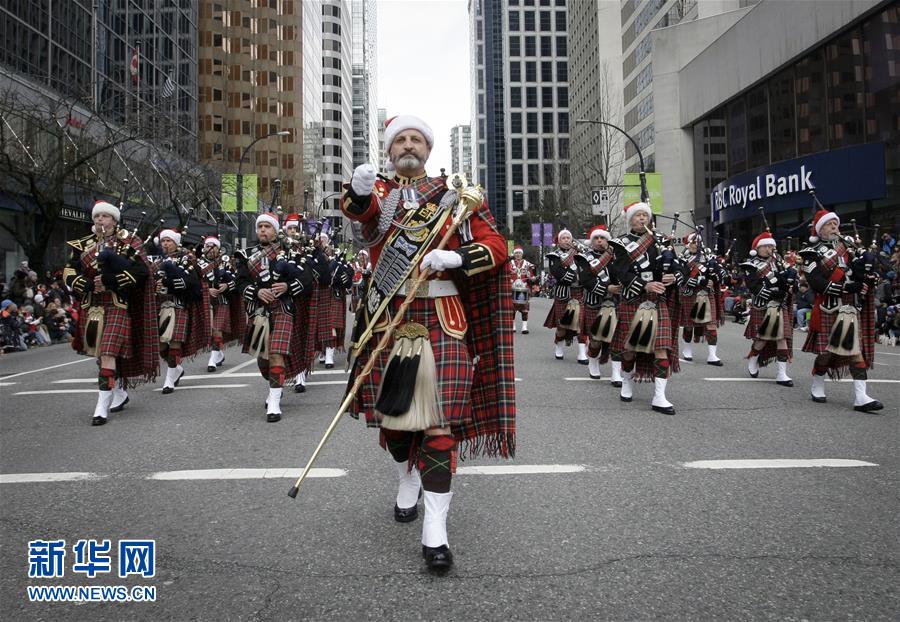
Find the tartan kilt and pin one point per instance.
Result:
(116, 338)
(281, 330)
(715, 311)
(769, 351)
(453, 369)
(588, 315)
(331, 320)
(559, 307)
(221, 319)
(180, 330)
(666, 337)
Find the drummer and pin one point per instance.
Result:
(522, 277)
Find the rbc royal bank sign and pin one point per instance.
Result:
(838, 176)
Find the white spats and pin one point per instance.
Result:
(782, 372)
(558, 350)
(860, 397)
(408, 486)
(216, 357)
(712, 355)
(688, 351)
(104, 399)
(329, 357)
(594, 367)
(659, 393)
(434, 526)
(817, 389)
(172, 376)
(627, 391)
(301, 379)
(753, 365)
(273, 402)
(616, 371)
(120, 396)
(582, 352)
(524, 327)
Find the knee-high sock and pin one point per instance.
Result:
(858, 370)
(437, 462)
(173, 356)
(276, 376)
(628, 365)
(398, 443)
(688, 333)
(263, 365)
(712, 337)
(781, 356)
(106, 379)
(660, 368)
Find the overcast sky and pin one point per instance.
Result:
(423, 66)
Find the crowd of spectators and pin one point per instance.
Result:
(35, 311)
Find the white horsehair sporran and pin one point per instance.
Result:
(93, 330)
(259, 334)
(166, 321)
(642, 331)
(407, 393)
(701, 313)
(772, 326)
(844, 339)
(571, 318)
(604, 327)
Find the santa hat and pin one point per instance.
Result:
(104, 207)
(170, 234)
(292, 220)
(363, 251)
(560, 232)
(691, 237)
(212, 240)
(518, 249)
(324, 237)
(395, 125)
(763, 239)
(634, 208)
(269, 218)
(821, 217)
(599, 231)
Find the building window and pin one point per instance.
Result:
(782, 117)
(531, 100)
(515, 149)
(532, 123)
(517, 174)
(881, 42)
(515, 123)
(515, 97)
(515, 71)
(546, 46)
(530, 71)
(547, 120)
(757, 127)
(533, 149)
(513, 21)
(809, 90)
(561, 47)
(562, 96)
(546, 71)
(737, 138)
(529, 21)
(530, 46)
(845, 90)
(547, 96)
(546, 21)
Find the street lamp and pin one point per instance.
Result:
(645, 196)
(240, 181)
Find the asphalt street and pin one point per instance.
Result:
(607, 513)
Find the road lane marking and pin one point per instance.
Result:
(211, 376)
(207, 474)
(229, 372)
(582, 379)
(49, 391)
(775, 464)
(7, 384)
(870, 380)
(520, 469)
(887, 353)
(27, 478)
(208, 386)
(34, 371)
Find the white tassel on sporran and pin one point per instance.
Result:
(844, 338)
(604, 328)
(259, 335)
(571, 318)
(407, 395)
(772, 326)
(93, 331)
(701, 313)
(166, 322)
(642, 331)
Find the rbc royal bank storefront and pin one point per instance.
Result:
(852, 181)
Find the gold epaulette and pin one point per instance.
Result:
(82, 244)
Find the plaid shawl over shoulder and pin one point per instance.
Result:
(487, 298)
(144, 365)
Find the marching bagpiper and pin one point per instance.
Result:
(275, 282)
(842, 326)
(770, 327)
(647, 336)
(334, 278)
(225, 309)
(521, 278)
(362, 272)
(702, 311)
(565, 314)
(108, 273)
(183, 301)
(599, 320)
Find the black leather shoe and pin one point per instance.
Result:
(220, 363)
(593, 377)
(715, 363)
(818, 400)
(870, 407)
(167, 390)
(211, 368)
(666, 410)
(273, 417)
(785, 383)
(406, 515)
(689, 358)
(616, 383)
(625, 399)
(584, 362)
(98, 421)
(329, 365)
(752, 375)
(559, 358)
(524, 332)
(119, 408)
(438, 559)
(299, 388)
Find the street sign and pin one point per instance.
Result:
(600, 201)
(548, 234)
(535, 234)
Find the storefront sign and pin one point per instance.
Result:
(71, 213)
(838, 176)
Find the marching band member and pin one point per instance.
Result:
(599, 321)
(334, 277)
(183, 302)
(272, 280)
(362, 272)
(702, 311)
(646, 337)
(770, 327)
(521, 276)
(842, 326)
(108, 273)
(226, 322)
(565, 314)
(448, 378)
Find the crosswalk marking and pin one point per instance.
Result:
(29, 478)
(49, 391)
(870, 380)
(207, 474)
(207, 386)
(520, 469)
(775, 464)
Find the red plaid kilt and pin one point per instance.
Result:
(281, 328)
(116, 338)
(666, 337)
(768, 353)
(817, 339)
(687, 302)
(559, 307)
(588, 315)
(453, 368)
(331, 320)
(221, 319)
(180, 331)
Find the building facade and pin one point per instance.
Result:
(817, 110)
(337, 106)
(461, 150)
(365, 91)
(381, 157)
(311, 28)
(520, 106)
(250, 88)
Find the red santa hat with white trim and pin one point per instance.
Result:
(518, 249)
(599, 231)
(401, 122)
(763, 239)
(212, 240)
(691, 237)
(821, 217)
(105, 207)
(170, 234)
(269, 218)
(292, 220)
(634, 208)
(560, 232)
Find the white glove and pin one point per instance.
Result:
(363, 180)
(439, 260)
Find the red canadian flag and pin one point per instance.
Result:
(135, 66)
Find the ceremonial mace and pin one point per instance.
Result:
(469, 200)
